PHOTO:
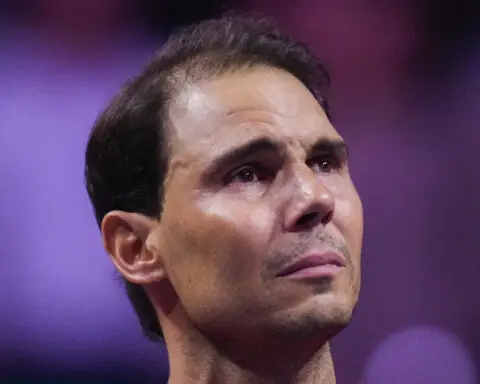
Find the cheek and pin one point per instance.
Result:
(215, 257)
(242, 229)
(253, 223)
(349, 220)
(216, 246)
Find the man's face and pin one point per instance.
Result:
(234, 219)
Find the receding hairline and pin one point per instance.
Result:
(191, 92)
(185, 86)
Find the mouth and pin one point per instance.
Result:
(315, 265)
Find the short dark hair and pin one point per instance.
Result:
(127, 153)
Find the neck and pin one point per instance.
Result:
(193, 359)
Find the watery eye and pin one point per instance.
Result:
(245, 175)
(326, 164)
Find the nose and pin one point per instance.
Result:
(310, 204)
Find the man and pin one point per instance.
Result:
(225, 202)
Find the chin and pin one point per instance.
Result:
(335, 315)
(336, 308)
(320, 318)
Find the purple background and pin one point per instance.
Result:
(406, 91)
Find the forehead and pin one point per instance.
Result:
(229, 110)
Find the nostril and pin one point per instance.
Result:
(307, 219)
(327, 218)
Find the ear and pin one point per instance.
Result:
(129, 239)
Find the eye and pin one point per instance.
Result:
(246, 174)
(326, 164)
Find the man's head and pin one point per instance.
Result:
(215, 170)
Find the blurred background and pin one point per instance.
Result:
(405, 95)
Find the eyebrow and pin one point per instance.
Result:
(334, 146)
(253, 147)
(265, 145)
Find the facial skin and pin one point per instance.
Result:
(227, 229)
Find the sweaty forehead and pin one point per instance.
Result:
(237, 107)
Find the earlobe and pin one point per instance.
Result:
(127, 238)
